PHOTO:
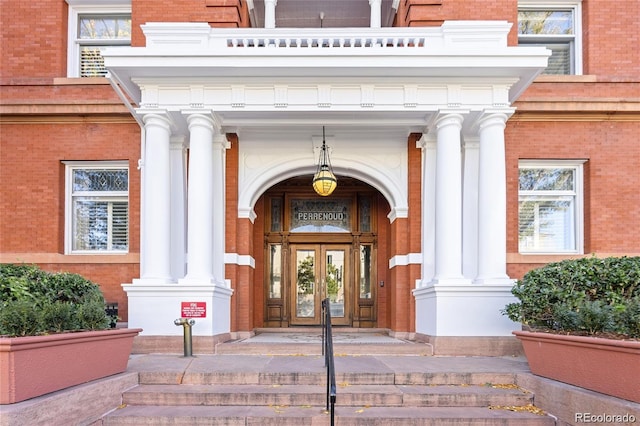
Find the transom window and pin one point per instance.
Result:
(92, 28)
(550, 207)
(97, 208)
(555, 25)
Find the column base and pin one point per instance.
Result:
(464, 310)
(154, 308)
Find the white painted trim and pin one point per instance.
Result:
(239, 259)
(80, 7)
(405, 259)
(578, 165)
(68, 203)
(576, 5)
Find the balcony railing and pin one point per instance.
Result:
(450, 34)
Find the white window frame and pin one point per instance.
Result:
(78, 8)
(576, 45)
(577, 193)
(70, 166)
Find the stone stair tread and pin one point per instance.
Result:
(309, 415)
(376, 395)
(313, 377)
(319, 389)
(408, 348)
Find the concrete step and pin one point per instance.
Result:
(318, 377)
(308, 341)
(315, 395)
(352, 370)
(290, 390)
(277, 415)
(396, 349)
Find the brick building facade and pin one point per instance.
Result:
(544, 164)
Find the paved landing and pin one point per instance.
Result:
(316, 337)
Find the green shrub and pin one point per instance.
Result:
(587, 296)
(33, 301)
(19, 318)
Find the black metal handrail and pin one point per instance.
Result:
(327, 351)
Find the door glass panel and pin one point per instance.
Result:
(365, 272)
(276, 214)
(305, 283)
(275, 271)
(364, 207)
(313, 215)
(334, 281)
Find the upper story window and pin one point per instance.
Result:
(97, 207)
(550, 200)
(557, 26)
(94, 26)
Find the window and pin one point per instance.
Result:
(555, 25)
(550, 207)
(97, 213)
(92, 28)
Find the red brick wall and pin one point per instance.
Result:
(611, 177)
(382, 264)
(33, 195)
(610, 38)
(218, 13)
(34, 39)
(32, 210)
(432, 13)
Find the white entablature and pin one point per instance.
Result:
(345, 74)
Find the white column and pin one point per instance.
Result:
(470, 207)
(178, 207)
(375, 20)
(155, 247)
(200, 199)
(448, 256)
(492, 204)
(428, 145)
(270, 13)
(220, 144)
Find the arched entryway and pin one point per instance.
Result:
(317, 247)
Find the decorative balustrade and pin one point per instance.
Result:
(451, 34)
(329, 41)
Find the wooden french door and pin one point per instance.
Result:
(319, 271)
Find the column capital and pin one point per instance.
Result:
(156, 117)
(471, 142)
(492, 117)
(202, 117)
(220, 141)
(447, 117)
(426, 141)
(178, 143)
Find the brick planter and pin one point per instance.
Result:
(35, 365)
(607, 366)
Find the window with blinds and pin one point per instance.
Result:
(555, 28)
(99, 205)
(97, 32)
(549, 200)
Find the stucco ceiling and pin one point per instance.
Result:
(337, 13)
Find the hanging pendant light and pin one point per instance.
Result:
(324, 181)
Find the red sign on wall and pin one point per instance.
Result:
(194, 309)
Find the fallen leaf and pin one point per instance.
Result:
(529, 408)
